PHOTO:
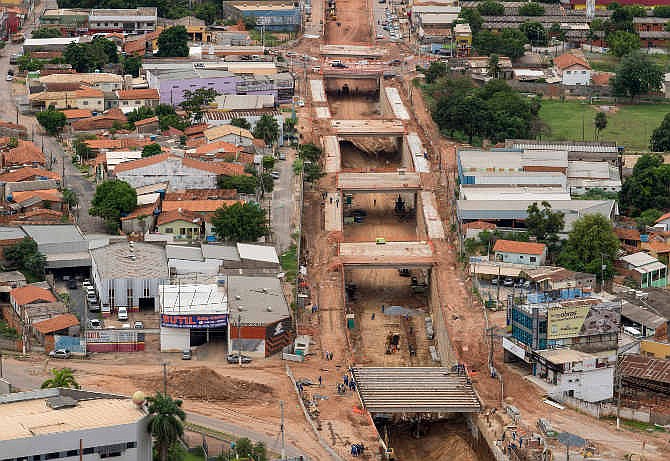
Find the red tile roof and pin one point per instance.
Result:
(13, 126)
(144, 210)
(663, 218)
(47, 195)
(57, 323)
(219, 168)
(601, 78)
(48, 215)
(198, 205)
(77, 113)
(147, 93)
(656, 247)
(201, 194)
(627, 234)
(483, 225)
(172, 131)
(180, 214)
(142, 162)
(26, 173)
(219, 146)
(146, 121)
(121, 143)
(30, 293)
(195, 129)
(567, 60)
(25, 153)
(89, 93)
(526, 248)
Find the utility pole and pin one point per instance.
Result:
(617, 372)
(239, 340)
(283, 441)
(164, 378)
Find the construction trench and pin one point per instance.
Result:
(387, 223)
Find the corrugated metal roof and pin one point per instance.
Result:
(263, 253)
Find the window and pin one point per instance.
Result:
(520, 256)
(131, 301)
(54, 455)
(131, 445)
(568, 72)
(72, 453)
(146, 290)
(138, 102)
(111, 296)
(116, 23)
(182, 231)
(584, 72)
(168, 230)
(533, 259)
(86, 103)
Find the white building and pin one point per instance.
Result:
(129, 274)
(572, 69)
(192, 314)
(577, 374)
(58, 423)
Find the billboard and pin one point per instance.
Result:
(565, 321)
(582, 320)
(114, 341)
(194, 321)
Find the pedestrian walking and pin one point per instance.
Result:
(374, 202)
(320, 381)
(373, 316)
(383, 308)
(345, 378)
(331, 200)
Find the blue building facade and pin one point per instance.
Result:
(275, 16)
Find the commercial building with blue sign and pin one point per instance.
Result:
(274, 15)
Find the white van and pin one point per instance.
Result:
(123, 314)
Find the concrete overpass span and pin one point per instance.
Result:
(400, 181)
(387, 255)
(353, 128)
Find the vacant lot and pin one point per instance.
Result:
(628, 125)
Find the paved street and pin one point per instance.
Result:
(73, 178)
(283, 202)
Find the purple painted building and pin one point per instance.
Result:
(173, 79)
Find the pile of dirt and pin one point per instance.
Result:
(203, 383)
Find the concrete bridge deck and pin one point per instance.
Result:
(379, 182)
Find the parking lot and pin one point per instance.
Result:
(386, 20)
(489, 291)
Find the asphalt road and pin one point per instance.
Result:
(72, 177)
(283, 201)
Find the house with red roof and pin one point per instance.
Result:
(180, 173)
(529, 253)
(25, 154)
(573, 69)
(129, 100)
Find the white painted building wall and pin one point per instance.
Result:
(68, 441)
(576, 75)
(175, 339)
(594, 385)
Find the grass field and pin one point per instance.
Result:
(629, 126)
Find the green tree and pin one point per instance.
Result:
(151, 149)
(660, 137)
(310, 152)
(509, 42)
(164, 109)
(591, 242)
(131, 65)
(267, 129)
(240, 222)
(194, 101)
(81, 148)
(166, 425)
(243, 184)
(267, 183)
(172, 120)
(27, 63)
(173, 42)
(111, 199)
(491, 8)
(647, 188)
(648, 218)
(622, 43)
(51, 120)
(597, 194)
(139, 113)
(636, 74)
(25, 257)
(107, 47)
(531, 9)
(600, 123)
(313, 172)
(494, 66)
(536, 33)
(70, 198)
(662, 12)
(240, 123)
(543, 223)
(473, 18)
(46, 32)
(437, 69)
(80, 57)
(268, 162)
(61, 378)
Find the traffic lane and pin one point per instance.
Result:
(283, 201)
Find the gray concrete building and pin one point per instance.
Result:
(129, 275)
(63, 244)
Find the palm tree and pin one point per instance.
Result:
(61, 378)
(165, 423)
